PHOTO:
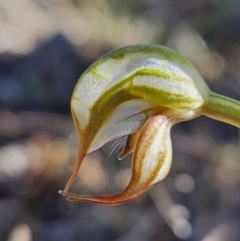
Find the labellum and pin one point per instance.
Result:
(140, 91)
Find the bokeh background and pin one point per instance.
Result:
(45, 45)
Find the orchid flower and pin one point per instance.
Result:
(140, 92)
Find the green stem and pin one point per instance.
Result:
(222, 108)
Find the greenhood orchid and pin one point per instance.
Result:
(140, 92)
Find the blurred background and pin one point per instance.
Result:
(45, 45)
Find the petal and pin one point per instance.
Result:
(123, 120)
(151, 163)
